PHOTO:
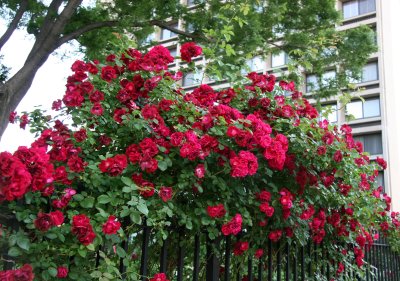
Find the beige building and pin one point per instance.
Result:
(375, 117)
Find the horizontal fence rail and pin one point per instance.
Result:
(187, 257)
(184, 256)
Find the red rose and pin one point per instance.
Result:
(108, 73)
(76, 164)
(217, 211)
(23, 121)
(275, 235)
(234, 226)
(12, 116)
(43, 222)
(177, 138)
(25, 273)
(57, 217)
(190, 50)
(338, 156)
(159, 277)
(267, 209)
(240, 248)
(80, 135)
(62, 272)
(114, 166)
(259, 253)
(97, 109)
(111, 226)
(7, 275)
(199, 171)
(82, 229)
(165, 193)
(148, 147)
(149, 165)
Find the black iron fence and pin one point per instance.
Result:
(185, 257)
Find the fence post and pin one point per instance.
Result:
(212, 269)
(145, 251)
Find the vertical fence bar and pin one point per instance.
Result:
(386, 269)
(379, 263)
(295, 262)
(250, 269)
(238, 275)
(212, 269)
(278, 262)
(309, 260)
(227, 258)
(367, 254)
(269, 260)
(287, 249)
(145, 251)
(260, 270)
(375, 262)
(122, 267)
(181, 256)
(163, 256)
(303, 271)
(196, 258)
(98, 257)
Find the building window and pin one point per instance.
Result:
(194, 2)
(149, 39)
(312, 80)
(173, 51)
(192, 78)
(329, 112)
(255, 64)
(372, 143)
(370, 72)
(367, 109)
(355, 8)
(279, 59)
(167, 34)
(381, 180)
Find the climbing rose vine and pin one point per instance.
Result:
(131, 146)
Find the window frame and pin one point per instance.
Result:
(363, 104)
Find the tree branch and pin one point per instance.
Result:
(75, 34)
(165, 25)
(14, 23)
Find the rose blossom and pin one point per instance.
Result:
(62, 272)
(217, 211)
(190, 50)
(111, 226)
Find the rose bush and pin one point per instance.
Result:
(252, 160)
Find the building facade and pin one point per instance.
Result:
(374, 111)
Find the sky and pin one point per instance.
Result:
(48, 85)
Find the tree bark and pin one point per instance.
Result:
(14, 23)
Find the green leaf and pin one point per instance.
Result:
(87, 203)
(121, 252)
(90, 247)
(162, 165)
(52, 271)
(96, 274)
(24, 243)
(82, 252)
(14, 252)
(142, 207)
(78, 197)
(103, 199)
(51, 235)
(127, 181)
(135, 217)
(108, 275)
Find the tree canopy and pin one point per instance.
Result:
(234, 30)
